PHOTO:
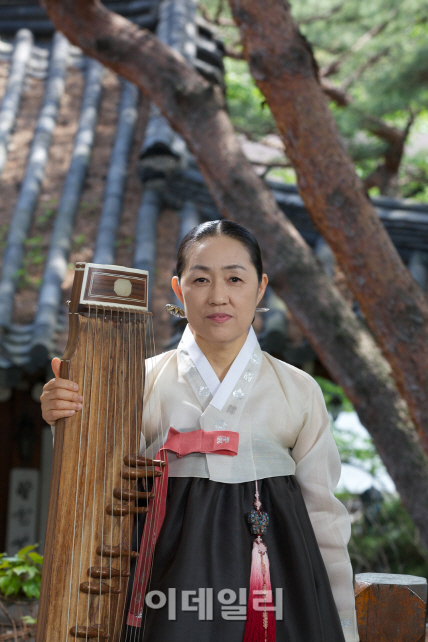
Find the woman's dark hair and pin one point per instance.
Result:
(223, 227)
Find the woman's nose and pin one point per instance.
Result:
(218, 294)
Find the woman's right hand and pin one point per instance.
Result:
(60, 397)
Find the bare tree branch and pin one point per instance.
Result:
(379, 128)
(334, 66)
(385, 176)
(217, 20)
(340, 97)
(220, 9)
(269, 166)
(236, 54)
(357, 73)
(321, 16)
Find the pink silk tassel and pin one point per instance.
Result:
(261, 625)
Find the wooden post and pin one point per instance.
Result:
(390, 608)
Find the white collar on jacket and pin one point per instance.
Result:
(220, 390)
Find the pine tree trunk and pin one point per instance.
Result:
(396, 310)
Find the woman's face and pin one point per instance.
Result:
(219, 289)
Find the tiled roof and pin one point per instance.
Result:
(169, 175)
(406, 223)
(18, 14)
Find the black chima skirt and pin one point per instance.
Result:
(205, 543)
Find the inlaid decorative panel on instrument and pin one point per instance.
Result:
(96, 465)
(114, 286)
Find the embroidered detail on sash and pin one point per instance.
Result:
(222, 440)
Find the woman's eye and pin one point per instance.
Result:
(235, 279)
(200, 280)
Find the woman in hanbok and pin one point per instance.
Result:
(253, 544)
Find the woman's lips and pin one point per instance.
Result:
(219, 318)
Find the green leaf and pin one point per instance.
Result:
(23, 569)
(4, 564)
(13, 560)
(23, 552)
(13, 586)
(27, 619)
(32, 588)
(36, 557)
(21, 574)
(4, 582)
(8, 572)
(334, 394)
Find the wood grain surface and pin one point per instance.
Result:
(389, 608)
(105, 356)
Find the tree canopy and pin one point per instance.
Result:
(371, 57)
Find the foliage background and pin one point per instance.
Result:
(384, 538)
(374, 54)
(20, 575)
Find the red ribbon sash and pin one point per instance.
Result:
(223, 442)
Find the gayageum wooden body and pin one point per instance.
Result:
(95, 467)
